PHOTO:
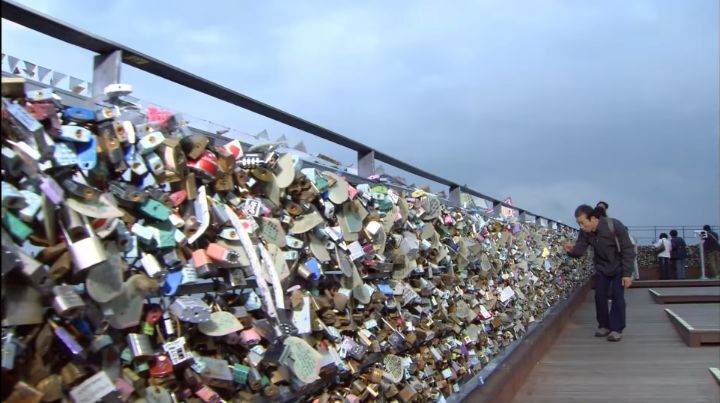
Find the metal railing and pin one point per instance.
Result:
(107, 71)
(647, 234)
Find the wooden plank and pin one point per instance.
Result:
(675, 283)
(685, 294)
(650, 364)
(697, 324)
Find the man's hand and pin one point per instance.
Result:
(626, 282)
(568, 246)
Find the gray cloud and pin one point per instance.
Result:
(554, 103)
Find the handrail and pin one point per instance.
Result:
(63, 31)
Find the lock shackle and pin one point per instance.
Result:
(85, 225)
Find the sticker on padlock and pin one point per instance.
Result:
(206, 166)
(176, 351)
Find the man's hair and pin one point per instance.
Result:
(663, 235)
(603, 204)
(706, 227)
(673, 232)
(588, 211)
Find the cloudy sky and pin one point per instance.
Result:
(554, 103)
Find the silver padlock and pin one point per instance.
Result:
(140, 345)
(67, 302)
(190, 309)
(151, 265)
(88, 250)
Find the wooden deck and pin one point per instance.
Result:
(685, 295)
(696, 323)
(650, 364)
(675, 283)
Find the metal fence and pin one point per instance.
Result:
(648, 234)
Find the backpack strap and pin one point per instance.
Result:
(611, 224)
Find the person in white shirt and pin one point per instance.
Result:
(662, 248)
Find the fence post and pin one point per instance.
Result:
(455, 196)
(366, 163)
(106, 71)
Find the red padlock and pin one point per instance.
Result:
(206, 165)
(161, 367)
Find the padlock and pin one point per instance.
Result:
(127, 194)
(137, 164)
(67, 302)
(140, 345)
(172, 154)
(67, 339)
(206, 166)
(194, 145)
(176, 351)
(104, 114)
(24, 393)
(155, 163)
(190, 309)
(111, 146)
(151, 266)
(81, 190)
(150, 142)
(85, 252)
(223, 255)
(202, 263)
(9, 348)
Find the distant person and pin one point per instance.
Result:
(636, 271)
(678, 254)
(662, 248)
(613, 260)
(711, 245)
(604, 206)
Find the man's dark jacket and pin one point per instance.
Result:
(607, 259)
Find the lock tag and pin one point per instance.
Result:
(221, 323)
(93, 389)
(176, 351)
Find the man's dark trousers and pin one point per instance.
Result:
(610, 287)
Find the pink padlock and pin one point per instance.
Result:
(249, 337)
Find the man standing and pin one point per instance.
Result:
(678, 254)
(711, 245)
(613, 261)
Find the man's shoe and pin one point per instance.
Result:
(614, 336)
(602, 332)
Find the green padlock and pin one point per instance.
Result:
(154, 209)
(17, 228)
(240, 373)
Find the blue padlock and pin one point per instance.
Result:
(87, 154)
(173, 279)
(79, 115)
